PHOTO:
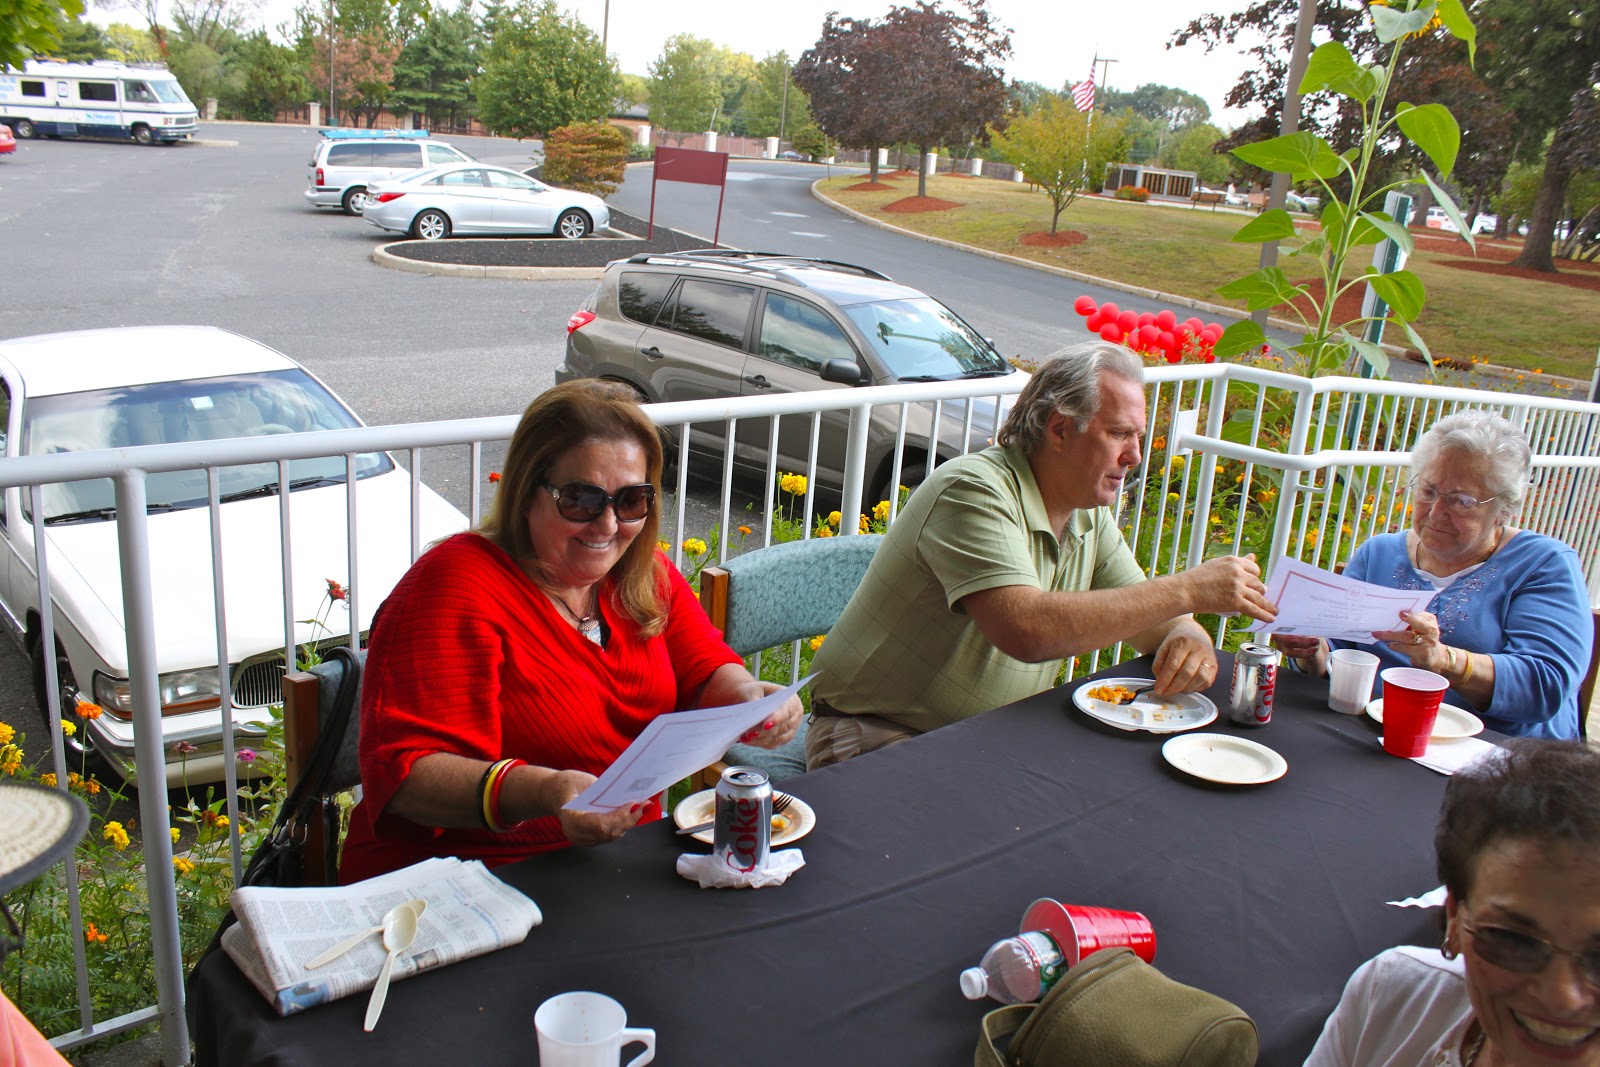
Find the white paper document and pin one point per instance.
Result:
(1319, 603)
(673, 747)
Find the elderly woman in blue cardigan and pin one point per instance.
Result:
(1509, 624)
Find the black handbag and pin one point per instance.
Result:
(1112, 1009)
(280, 859)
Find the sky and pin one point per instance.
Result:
(1052, 42)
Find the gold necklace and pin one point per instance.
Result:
(1469, 1054)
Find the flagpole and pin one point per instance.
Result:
(1088, 127)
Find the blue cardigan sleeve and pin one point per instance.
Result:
(1548, 630)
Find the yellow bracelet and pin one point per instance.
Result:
(1465, 678)
(489, 800)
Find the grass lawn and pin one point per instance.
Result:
(1470, 317)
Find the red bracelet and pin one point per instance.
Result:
(492, 802)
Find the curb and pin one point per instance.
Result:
(1395, 351)
(384, 258)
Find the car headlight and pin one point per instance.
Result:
(180, 692)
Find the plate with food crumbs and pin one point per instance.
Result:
(1225, 758)
(1145, 712)
(794, 823)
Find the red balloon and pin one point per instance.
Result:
(1110, 310)
(1149, 334)
(1194, 324)
(1210, 334)
(1084, 305)
(1166, 320)
(1167, 340)
(1147, 318)
(1111, 332)
(1095, 320)
(1128, 321)
(1174, 356)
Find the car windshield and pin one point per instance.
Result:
(921, 340)
(238, 405)
(169, 92)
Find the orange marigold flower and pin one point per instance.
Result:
(494, 476)
(93, 935)
(335, 590)
(745, 530)
(87, 710)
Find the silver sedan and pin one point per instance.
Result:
(472, 198)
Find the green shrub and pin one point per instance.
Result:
(1137, 193)
(587, 156)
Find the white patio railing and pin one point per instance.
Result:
(1236, 459)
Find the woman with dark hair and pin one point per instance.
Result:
(512, 664)
(1509, 625)
(1517, 980)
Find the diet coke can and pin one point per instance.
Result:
(743, 832)
(1255, 676)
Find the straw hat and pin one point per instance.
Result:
(38, 828)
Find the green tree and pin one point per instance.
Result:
(1060, 151)
(262, 78)
(130, 44)
(1172, 108)
(774, 106)
(198, 67)
(632, 89)
(1194, 148)
(83, 41)
(33, 27)
(685, 85)
(543, 70)
(437, 67)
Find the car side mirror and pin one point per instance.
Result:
(841, 371)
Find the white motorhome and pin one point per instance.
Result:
(104, 98)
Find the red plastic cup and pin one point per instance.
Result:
(1410, 705)
(1080, 930)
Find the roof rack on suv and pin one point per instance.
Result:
(765, 261)
(365, 135)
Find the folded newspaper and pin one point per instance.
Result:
(469, 912)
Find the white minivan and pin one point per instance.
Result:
(345, 162)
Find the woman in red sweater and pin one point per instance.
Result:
(512, 664)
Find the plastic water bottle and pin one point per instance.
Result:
(1016, 970)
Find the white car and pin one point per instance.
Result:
(474, 198)
(111, 388)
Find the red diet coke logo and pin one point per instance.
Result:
(744, 835)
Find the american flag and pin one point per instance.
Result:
(1083, 93)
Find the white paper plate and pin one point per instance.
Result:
(1224, 758)
(1452, 721)
(698, 808)
(1148, 713)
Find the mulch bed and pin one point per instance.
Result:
(867, 187)
(1573, 275)
(1059, 239)
(911, 205)
(549, 251)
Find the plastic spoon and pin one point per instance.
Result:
(417, 907)
(399, 930)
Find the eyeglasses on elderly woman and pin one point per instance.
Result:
(583, 502)
(1426, 496)
(1513, 950)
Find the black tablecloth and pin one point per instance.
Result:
(923, 855)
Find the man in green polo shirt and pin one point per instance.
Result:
(1006, 562)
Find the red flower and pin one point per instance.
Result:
(335, 590)
(494, 476)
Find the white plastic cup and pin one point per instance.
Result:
(588, 1030)
(1351, 673)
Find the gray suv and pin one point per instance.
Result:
(721, 323)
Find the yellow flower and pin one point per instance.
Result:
(880, 511)
(1158, 444)
(48, 779)
(6, 733)
(222, 822)
(182, 864)
(862, 523)
(1216, 520)
(10, 759)
(816, 642)
(694, 546)
(834, 518)
(1237, 478)
(1172, 497)
(114, 833)
(664, 547)
(1266, 496)
(1348, 532)
(1177, 462)
(174, 835)
(824, 532)
(794, 484)
(68, 728)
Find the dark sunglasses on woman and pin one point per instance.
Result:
(582, 502)
(1513, 950)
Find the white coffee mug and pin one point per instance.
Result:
(588, 1030)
